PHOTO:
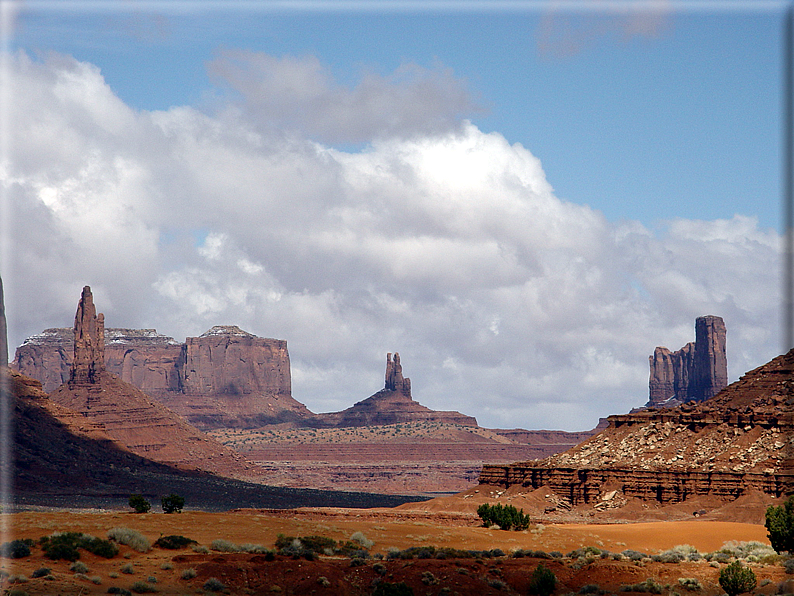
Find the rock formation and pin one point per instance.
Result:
(738, 441)
(3, 330)
(696, 372)
(88, 362)
(391, 405)
(129, 417)
(224, 378)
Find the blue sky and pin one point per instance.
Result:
(521, 199)
(678, 116)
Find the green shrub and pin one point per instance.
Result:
(736, 579)
(132, 538)
(41, 572)
(780, 526)
(141, 587)
(173, 542)
(543, 581)
(172, 503)
(649, 586)
(78, 567)
(139, 504)
(788, 565)
(360, 539)
(225, 546)
(690, 583)
(99, 547)
(213, 584)
(16, 549)
(128, 569)
(189, 573)
(61, 546)
(507, 517)
(390, 589)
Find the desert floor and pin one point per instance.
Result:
(245, 573)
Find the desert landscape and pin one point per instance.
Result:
(660, 500)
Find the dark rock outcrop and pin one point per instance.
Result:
(738, 441)
(696, 372)
(3, 330)
(391, 405)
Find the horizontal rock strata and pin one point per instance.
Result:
(739, 441)
(225, 378)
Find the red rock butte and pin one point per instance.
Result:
(128, 415)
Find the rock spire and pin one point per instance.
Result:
(89, 342)
(394, 376)
(696, 372)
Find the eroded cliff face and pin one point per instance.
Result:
(696, 372)
(128, 416)
(738, 441)
(225, 378)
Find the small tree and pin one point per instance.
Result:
(140, 504)
(506, 517)
(736, 579)
(543, 581)
(780, 525)
(173, 503)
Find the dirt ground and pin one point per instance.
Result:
(244, 573)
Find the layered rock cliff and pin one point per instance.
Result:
(225, 378)
(696, 372)
(391, 405)
(739, 441)
(129, 416)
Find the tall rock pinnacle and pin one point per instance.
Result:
(89, 342)
(696, 372)
(394, 376)
(3, 330)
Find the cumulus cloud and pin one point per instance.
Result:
(301, 94)
(450, 247)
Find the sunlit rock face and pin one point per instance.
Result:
(696, 372)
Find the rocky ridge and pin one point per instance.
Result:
(739, 441)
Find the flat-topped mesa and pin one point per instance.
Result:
(394, 376)
(696, 372)
(88, 363)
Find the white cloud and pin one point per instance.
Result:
(301, 94)
(450, 247)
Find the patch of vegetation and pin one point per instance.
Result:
(142, 587)
(788, 565)
(649, 586)
(172, 503)
(41, 572)
(139, 504)
(360, 539)
(390, 589)
(189, 573)
(64, 545)
(780, 526)
(127, 568)
(117, 590)
(634, 555)
(543, 581)
(533, 554)
(132, 538)
(78, 567)
(173, 542)
(737, 579)
(213, 584)
(690, 583)
(16, 549)
(507, 517)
